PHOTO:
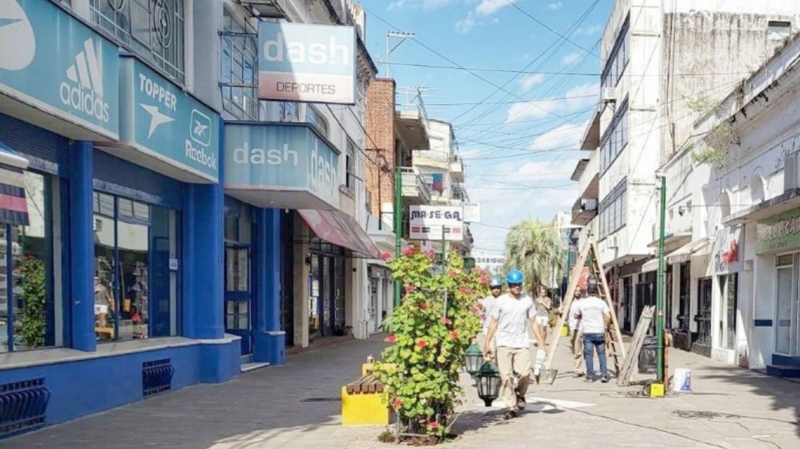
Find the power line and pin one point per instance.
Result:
(544, 25)
(538, 100)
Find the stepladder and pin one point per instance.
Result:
(589, 258)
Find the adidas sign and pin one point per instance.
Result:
(83, 90)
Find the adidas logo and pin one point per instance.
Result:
(84, 89)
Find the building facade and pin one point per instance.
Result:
(663, 66)
(163, 222)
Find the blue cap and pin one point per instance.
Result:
(514, 277)
(496, 281)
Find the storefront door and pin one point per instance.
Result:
(238, 304)
(784, 304)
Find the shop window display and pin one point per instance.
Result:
(130, 236)
(27, 297)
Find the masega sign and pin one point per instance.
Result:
(304, 62)
(430, 222)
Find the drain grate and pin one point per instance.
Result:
(321, 400)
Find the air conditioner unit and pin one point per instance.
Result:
(611, 242)
(609, 94)
(791, 172)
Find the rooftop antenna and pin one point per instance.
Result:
(389, 49)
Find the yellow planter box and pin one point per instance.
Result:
(365, 409)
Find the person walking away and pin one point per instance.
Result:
(576, 337)
(511, 318)
(595, 317)
(543, 305)
(486, 304)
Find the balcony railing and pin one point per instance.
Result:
(583, 211)
(414, 185)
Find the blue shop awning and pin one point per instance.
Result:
(13, 205)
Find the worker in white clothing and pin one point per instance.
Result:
(511, 318)
(486, 304)
(595, 318)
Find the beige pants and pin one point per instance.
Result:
(513, 363)
(576, 343)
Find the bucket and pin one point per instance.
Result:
(682, 380)
(548, 376)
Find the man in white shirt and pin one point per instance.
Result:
(595, 317)
(511, 318)
(487, 304)
(576, 337)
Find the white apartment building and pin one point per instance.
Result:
(663, 65)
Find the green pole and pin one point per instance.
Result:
(398, 227)
(661, 285)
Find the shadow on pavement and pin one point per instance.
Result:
(263, 408)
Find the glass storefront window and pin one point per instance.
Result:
(136, 271)
(30, 308)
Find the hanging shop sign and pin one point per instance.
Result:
(433, 222)
(728, 250)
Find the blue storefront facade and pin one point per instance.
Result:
(130, 264)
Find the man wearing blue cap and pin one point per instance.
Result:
(511, 318)
(487, 304)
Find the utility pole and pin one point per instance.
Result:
(389, 49)
(661, 284)
(398, 225)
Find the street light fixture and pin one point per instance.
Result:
(473, 359)
(488, 382)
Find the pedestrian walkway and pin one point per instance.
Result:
(297, 406)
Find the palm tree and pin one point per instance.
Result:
(534, 248)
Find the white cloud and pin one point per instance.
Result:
(531, 80)
(489, 7)
(555, 5)
(463, 26)
(588, 31)
(573, 57)
(566, 136)
(426, 5)
(578, 97)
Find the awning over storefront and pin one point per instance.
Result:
(685, 252)
(340, 229)
(680, 255)
(13, 205)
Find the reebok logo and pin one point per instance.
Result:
(17, 41)
(83, 90)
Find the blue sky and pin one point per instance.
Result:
(519, 148)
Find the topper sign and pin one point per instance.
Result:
(436, 222)
(303, 62)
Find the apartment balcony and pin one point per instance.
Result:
(412, 128)
(457, 169)
(274, 9)
(587, 174)
(583, 211)
(415, 189)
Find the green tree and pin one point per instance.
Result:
(534, 248)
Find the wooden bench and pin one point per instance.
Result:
(367, 384)
(364, 401)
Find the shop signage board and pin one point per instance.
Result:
(728, 250)
(55, 63)
(166, 123)
(281, 157)
(472, 212)
(307, 62)
(778, 233)
(427, 223)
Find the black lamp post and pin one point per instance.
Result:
(488, 382)
(473, 359)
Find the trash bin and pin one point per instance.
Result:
(647, 356)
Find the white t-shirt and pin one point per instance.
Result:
(592, 310)
(572, 320)
(513, 316)
(488, 303)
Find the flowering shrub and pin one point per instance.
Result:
(428, 337)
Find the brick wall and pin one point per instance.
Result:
(380, 143)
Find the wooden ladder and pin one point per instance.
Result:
(615, 349)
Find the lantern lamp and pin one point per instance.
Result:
(488, 381)
(473, 359)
